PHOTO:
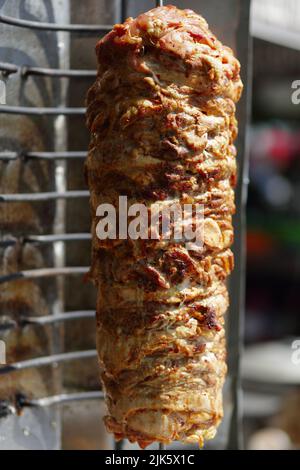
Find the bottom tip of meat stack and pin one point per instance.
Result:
(145, 439)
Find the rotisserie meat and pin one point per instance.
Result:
(162, 119)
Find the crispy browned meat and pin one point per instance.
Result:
(162, 119)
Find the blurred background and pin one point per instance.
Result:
(270, 369)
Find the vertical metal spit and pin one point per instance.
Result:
(61, 194)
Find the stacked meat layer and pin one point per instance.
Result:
(162, 120)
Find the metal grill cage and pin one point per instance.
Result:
(55, 241)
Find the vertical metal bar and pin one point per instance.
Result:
(123, 10)
(60, 168)
(60, 142)
(118, 445)
(237, 280)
